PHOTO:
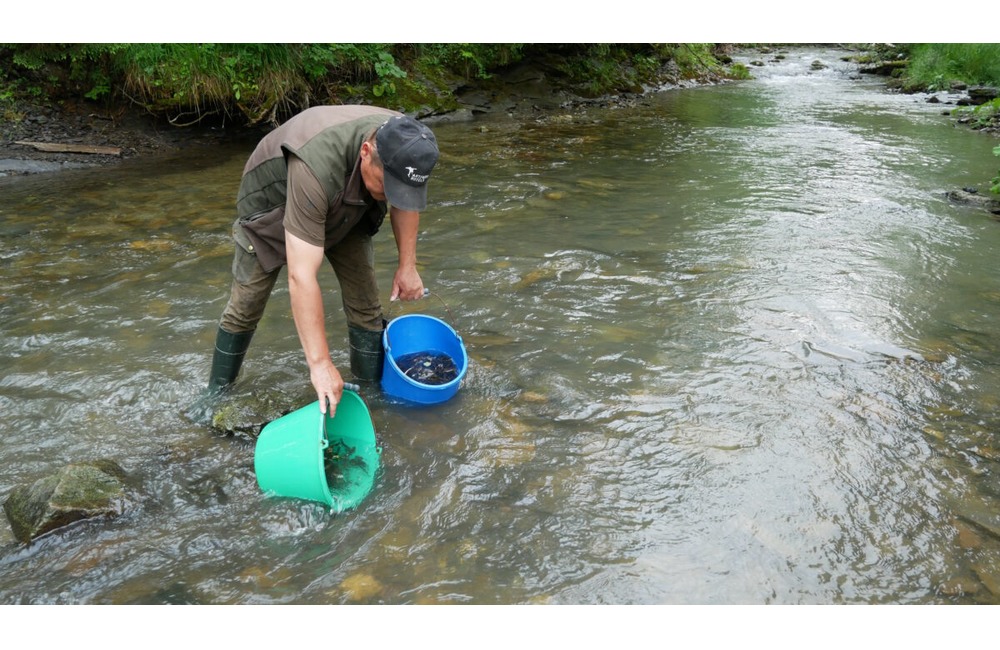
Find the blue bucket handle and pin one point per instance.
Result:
(427, 292)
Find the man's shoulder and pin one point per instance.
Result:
(328, 136)
(342, 114)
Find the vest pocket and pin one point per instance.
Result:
(263, 234)
(245, 257)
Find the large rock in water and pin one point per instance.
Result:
(981, 94)
(247, 413)
(77, 491)
(975, 199)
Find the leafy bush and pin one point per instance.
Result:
(739, 71)
(983, 115)
(594, 69)
(471, 60)
(935, 65)
(254, 82)
(57, 70)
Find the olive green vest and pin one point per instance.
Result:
(327, 139)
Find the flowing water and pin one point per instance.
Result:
(729, 345)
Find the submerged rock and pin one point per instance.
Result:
(78, 491)
(975, 199)
(885, 68)
(979, 95)
(361, 587)
(247, 413)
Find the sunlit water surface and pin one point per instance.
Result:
(729, 345)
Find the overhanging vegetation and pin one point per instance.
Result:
(257, 83)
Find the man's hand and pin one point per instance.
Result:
(407, 285)
(328, 383)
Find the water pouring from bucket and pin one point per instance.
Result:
(308, 455)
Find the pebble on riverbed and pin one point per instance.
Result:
(361, 587)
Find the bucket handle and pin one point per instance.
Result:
(324, 439)
(322, 421)
(427, 292)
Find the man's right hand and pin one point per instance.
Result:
(328, 383)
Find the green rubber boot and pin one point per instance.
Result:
(367, 353)
(226, 361)
(228, 358)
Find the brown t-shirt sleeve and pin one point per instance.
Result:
(305, 204)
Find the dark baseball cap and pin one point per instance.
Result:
(409, 151)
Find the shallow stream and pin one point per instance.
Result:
(729, 345)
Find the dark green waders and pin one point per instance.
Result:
(230, 349)
(226, 362)
(367, 354)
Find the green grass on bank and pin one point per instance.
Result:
(935, 65)
(258, 83)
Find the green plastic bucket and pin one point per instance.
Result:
(292, 454)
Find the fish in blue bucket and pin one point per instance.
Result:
(431, 368)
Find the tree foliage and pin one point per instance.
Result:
(253, 82)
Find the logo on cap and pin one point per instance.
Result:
(411, 173)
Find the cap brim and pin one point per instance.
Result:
(403, 196)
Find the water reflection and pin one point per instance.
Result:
(728, 346)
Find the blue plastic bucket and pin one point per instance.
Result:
(290, 457)
(418, 333)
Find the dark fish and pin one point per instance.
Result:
(431, 368)
(338, 458)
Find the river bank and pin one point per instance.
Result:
(87, 134)
(90, 137)
(40, 138)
